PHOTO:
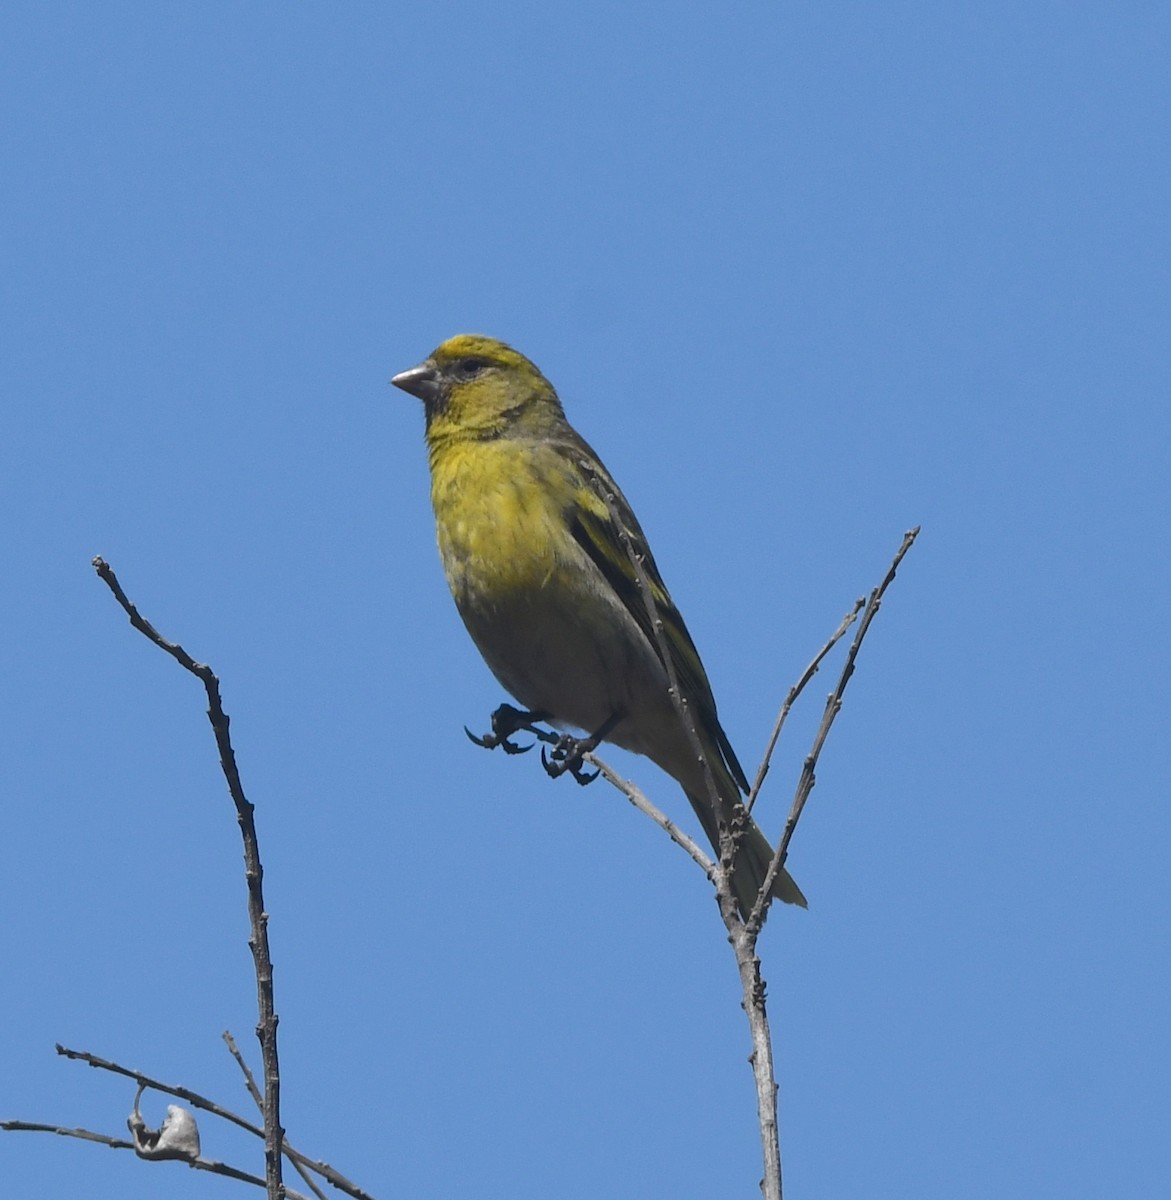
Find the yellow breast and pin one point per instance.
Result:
(499, 518)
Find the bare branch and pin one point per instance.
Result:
(832, 707)
(791, 699)
(167, 1089)
(253, 871)
(742, 939)
(245, 1069)
(752, 986)
(328, 1173)
(638, 798)
(336, 1178)
(258, 1100)
(640, 801)
(103, 1139)
(85, 1135)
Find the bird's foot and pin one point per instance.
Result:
(568, 754)
(506, 721)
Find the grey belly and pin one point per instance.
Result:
(579, 668)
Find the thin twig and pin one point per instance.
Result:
(168, 1089)
(328, 1173)
(301, 1162)
(258, 1100)
(791, 699)
(85, 1135)
(742, 939)
(245, 1069)
(640, 801)
(253, 871)
(833, 705)
(103, 1139)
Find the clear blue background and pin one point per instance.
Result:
(805, 275)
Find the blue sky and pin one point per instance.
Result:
(805, 276)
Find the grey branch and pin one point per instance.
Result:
(196, 1100)
(253, 871)
(103, 1139)
(791, 699)
(832, 707)
(640, 801)
(292, 1155)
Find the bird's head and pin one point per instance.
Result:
(477, 387)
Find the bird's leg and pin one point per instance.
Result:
(567, 753)
(506, 721)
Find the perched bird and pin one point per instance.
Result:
(525, 514)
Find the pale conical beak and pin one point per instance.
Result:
(421, 381)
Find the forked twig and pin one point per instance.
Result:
(791, 699)
(196, 1100)
(102, 1139)
(258, 1099)
(832, 708)
(743, 934)
(157, 1085)
(253, 871)
(741, 938)
(269, 1101)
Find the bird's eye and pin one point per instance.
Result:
(469, 368)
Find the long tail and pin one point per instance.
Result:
(751, 862)
(752, 866)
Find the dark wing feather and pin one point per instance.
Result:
(595, 531)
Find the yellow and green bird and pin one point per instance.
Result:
(526, 518)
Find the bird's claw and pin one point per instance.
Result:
(506, 720)
(490, 741)
(567, 756)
